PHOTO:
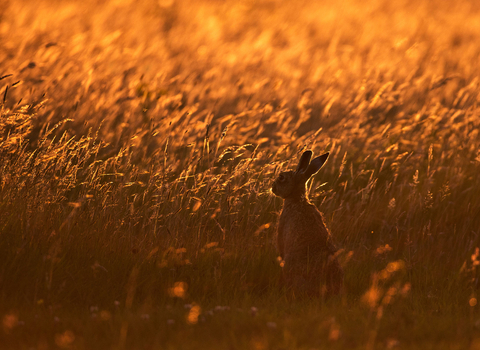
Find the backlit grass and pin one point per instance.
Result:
(139, 141)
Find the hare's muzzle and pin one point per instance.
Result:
(274, 188)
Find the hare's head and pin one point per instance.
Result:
(291, 184)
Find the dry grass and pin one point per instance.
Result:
(138, 149)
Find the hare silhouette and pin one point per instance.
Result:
(310, 264)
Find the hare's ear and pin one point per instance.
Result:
(304, 161)
(316, 164)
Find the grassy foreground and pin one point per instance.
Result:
(139, 141)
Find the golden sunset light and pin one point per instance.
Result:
(239, 174)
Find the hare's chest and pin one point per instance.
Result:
(297, 231)
(303, 232)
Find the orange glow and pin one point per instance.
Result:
(179, 290)
(9, 322)
(192, 317)
(64, 340)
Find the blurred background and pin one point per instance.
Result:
(96, 58)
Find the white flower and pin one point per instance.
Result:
(271, 325)
(93, 308)
(253, 311)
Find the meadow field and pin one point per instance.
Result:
(139, 141)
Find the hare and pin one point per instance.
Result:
(310, 265)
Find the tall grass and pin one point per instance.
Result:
(139, 141)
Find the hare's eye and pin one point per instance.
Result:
(281, 177)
